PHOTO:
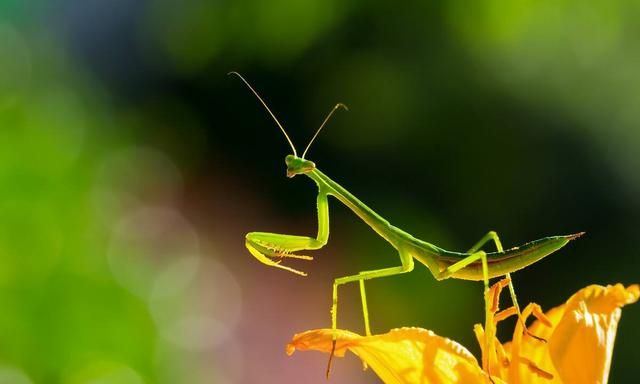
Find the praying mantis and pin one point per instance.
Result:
(475, 264)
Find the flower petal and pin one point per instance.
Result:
(321, 340)
(582, 344)
(580, 340)
(403, 355)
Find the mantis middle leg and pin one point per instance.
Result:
(266, 246)
(407, 266)
(363, 293)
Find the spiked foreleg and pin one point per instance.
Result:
(270, 248)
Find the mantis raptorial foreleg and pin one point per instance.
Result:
(267, 246)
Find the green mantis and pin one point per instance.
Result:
(475, 264)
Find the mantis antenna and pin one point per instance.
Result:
(268, 110)
(322, 125)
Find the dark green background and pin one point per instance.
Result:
(131, 167)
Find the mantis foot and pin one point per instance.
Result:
(333, 351)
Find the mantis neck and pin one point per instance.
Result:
(375, 221)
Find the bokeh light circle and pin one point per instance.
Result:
(11, 375)
(148, 242)
(132, 177)
(203, 314)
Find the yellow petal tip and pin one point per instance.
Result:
(633, 293)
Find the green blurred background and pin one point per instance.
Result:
(131, 167)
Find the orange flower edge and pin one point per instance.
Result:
(321, 340)
(403, 355)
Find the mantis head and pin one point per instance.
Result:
(298, 166)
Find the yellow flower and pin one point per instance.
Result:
(580, 335)
(579, 342)
(403, 355)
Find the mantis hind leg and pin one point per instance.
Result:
(493, 236)
(271, 248)
(475, 256)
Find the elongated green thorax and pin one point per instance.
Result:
(432, 256)
(368, 215)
